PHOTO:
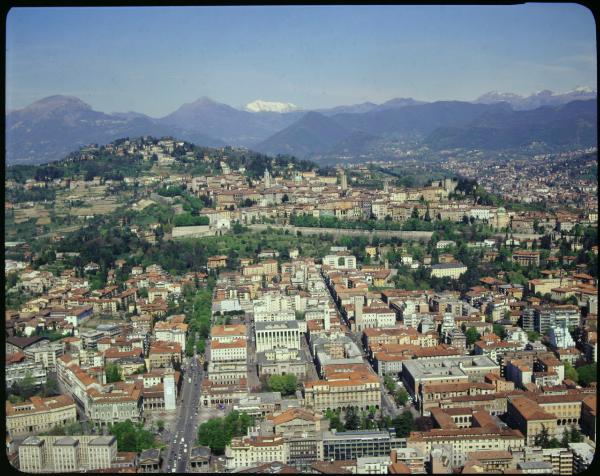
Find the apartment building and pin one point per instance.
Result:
(66, 454)
(163, 354)
(250, 451)
(46, 354)
(16, 372)
(448, 370)
(340, 261)
(228, 351)
(171, 332)
(227, 372)
(433, 395)
(530, 418)
(116, 403)
(38, 415)
(526, 258)
(303, 431)
(348, 445)
(462, 441)
(344, 386)
(228, 333)
(448, 270)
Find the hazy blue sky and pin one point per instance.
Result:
(153, 59)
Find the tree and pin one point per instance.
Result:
(132, 437)
(50, 388)
(587, 374)
(423, 423)
(200, 346)
(352, 419)
(14, 398)
(571, 372)
(472, 336)
(73, 428)
(389, 383)
(404, 424)
(401, 397)
(286, 384)
(533, 336)
(113, 373)
(218, 432)
(212, 434)
(543, 439)
(334, 420)
(26, 387)
(500, 330)
(160, 424)
(575, 435)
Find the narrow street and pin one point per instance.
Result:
(388, 405)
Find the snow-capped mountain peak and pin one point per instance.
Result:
(582, 89)
(270, 106)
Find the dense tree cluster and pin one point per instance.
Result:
(217, 433)
(286, 384)
(132, 436)
(113, 372)
(187, 219)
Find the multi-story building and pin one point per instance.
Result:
(583, 455)
(530, 418)
(163, 354)
(303, 431)
(228, 372)
(254, 450)
(282, 361)
(344, 386)
(18, 371)
(340, 261)
(526, 258)
(228, 333)
(448, 270)
(546, 317)
(171, 332)
(228, 351)
(46, 354)
(347, 445)
(67, 454)
(462, 441)
(39, 414)
(118, 402)
(273, 335)
(379, 317)
(432, 395)
(213, 394)
(448, 370)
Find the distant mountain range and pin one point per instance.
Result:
(49, 129)
(571, 124)
(538, 99)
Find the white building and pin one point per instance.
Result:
(66, 454)
(254, 450)
(450, 270)
(228, 351)
(340, 261)
(560, 337)
(273, 335)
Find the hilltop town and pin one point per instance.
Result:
(175, 308)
